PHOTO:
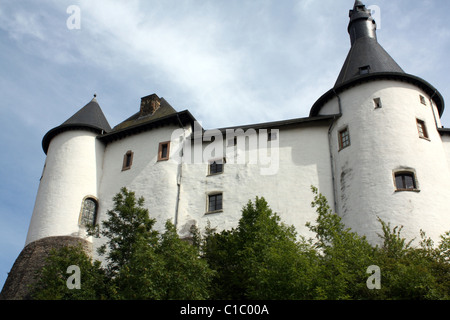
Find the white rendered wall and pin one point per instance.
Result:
(155, 180)
(72, 172)
(304, 161)
(446, 144)
(383, 140)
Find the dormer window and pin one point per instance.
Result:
(364, 70)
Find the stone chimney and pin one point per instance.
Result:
(149, 105)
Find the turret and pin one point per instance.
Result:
(67, 194)
(388, 159)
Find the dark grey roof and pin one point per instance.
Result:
(366, 52)
(368, 61)
(178, 118)
(165, 109)
(89, 117)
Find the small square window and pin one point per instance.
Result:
(344, 139)
(164, 151)
(422, 100)
(421, 127)
(216, 166)
(127, 160)
(215, 202)
(405, 181)
(377, 102)
(364, 70)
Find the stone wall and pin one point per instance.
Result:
(31, 259)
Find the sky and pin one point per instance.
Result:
(229, 62)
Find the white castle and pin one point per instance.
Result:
(373, 145)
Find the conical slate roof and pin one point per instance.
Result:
(368, 61)
(366, 55)
(90, 117)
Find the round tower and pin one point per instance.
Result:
(388, 157)
(67, 194)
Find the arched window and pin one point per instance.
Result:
(89, 212)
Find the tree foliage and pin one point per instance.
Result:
(262, 258)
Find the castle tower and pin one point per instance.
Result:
(67, 194)
(388, 156)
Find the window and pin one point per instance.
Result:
(164, 151)
(344, 139)
(364, 70)
(214, 202)
(127, 160)
(377, 102)
(422, 100)
(422, 129)
(88, 212)
(216, 166)
(405, 181)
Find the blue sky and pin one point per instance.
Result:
(228, 62)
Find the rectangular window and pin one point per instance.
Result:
(364, 70)
(422, 100)
(127, 160)
(214, 202)
(405, 181)
(377, 102)
(344, 139)
(164, 151)
(421, 127)
(216, 166)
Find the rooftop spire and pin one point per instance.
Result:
(361, 23)
(366, 55)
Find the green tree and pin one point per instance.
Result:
(413, 273)
(260, 259)
(407, 271)
(52, 279)
(145, 264)
(344, 255)
(139, 262)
